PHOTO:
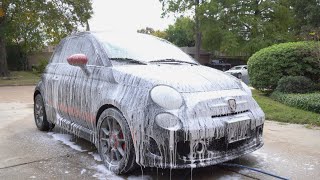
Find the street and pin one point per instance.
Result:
(290, 150)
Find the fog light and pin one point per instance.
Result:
(199, 147)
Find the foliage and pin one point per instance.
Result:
(309, 102)
(36, 22)
(33, 23)
(151, 31)
(245, 25)
(176, 6)
(307, 15)
(276, 111)
(160, 34)
(181, 33)
(295, 84)
(41, 66)
(16, 58)
(269, 65)
(147, 30)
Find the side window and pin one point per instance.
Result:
(89, 50)
(57, 53)
(76, 45)
(71, 46)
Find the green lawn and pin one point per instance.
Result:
(20, 78)
(279, 112)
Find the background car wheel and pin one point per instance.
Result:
(239, 76)
(40, 116)
(115, 142)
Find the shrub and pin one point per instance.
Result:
(41, 66)
(309, 102)
(295, 84)
(269, 65)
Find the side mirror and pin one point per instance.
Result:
(80, 60)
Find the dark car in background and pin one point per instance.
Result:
(219, 64)
(141, 100)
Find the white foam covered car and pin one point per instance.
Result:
(141, 100)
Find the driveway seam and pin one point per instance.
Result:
(39, 160)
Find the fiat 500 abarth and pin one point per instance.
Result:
(143, 101)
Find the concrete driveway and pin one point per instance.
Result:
(291, 151)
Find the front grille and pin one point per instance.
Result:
(219, 146)
(229, 114)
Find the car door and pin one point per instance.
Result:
(50, 79)
(81, 83)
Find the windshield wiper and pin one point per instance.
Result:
(128, 59)
(173, 60)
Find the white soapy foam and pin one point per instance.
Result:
(141, 177)
(66, 139)
(103, 173)
(95, 156)
(83, 171)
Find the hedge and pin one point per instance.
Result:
(269, 65)
(295, 84)
(309, 102)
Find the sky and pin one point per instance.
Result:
(127, 15)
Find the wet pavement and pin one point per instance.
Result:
(291, 151)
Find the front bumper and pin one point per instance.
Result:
(168, 149)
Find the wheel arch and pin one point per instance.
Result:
(102, 108)
(36, 92)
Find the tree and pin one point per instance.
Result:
(147, 30)
(181, 33)
(245, 25)
(183, 6)
(34, 23)
(307, 18)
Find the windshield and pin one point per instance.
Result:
(236, 68)
(141, 47)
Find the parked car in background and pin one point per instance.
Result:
(239, 71)
(219, 64)
(141, 100)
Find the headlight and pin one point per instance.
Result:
(166, 97)
(168, 121)
(246, 88)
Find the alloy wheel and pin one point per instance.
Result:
(112, 141)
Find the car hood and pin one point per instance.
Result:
(184, 78)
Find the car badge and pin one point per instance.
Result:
(232, 105)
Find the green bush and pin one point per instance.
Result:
(41, 66)
(269, 65)
(295, 84)
(309, 102)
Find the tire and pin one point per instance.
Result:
(115, 143)
(239, 76)
(40, 116)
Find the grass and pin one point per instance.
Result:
(20, 78)
(276, 111)
(308, 101)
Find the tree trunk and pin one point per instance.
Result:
(198, 33)
(87, 26)
(3, 58)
